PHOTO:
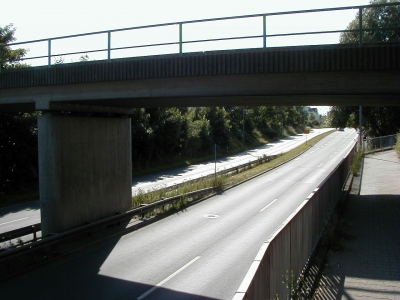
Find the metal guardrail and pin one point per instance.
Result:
(141, 209)
(13, 234)
(379, 143)
(94, 226)
(238, 168)
(180, 42)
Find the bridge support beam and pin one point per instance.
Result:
(85, 171)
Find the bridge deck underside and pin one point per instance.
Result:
(318, 75)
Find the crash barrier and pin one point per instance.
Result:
(283, 258)
(31, 229)
(140, 210)
(379, 143)
(227, 171)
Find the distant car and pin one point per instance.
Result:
(340, 129)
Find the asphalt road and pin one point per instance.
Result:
(176, 176)
(19, 215)
(203, 252)
(25, 214)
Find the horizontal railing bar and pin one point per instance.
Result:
(208, 20)
(216, 39)
(211, 40)
(78, 52)
(144, 46)
(223, 39)
(61, 54)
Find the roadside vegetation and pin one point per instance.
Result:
(397, 146)
(356, 165)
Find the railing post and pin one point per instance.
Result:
(180, 38)
(49, 52)
(34, 232)
(360, 27)
(109, 46)
(264, 31)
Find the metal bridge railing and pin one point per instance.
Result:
(180, 42)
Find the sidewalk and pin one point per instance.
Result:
(368, 266)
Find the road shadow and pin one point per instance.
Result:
(81, 275)
(28, 206)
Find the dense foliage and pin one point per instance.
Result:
(18, 132)
(376, 120)
(171, 134)
(18, 152)
(382, 23)
(10, 58)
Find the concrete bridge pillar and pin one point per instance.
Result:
(85, 169)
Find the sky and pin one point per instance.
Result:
(42, 19)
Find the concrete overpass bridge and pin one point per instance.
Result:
(308, 75)
(84, 131)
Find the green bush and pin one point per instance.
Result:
(355, 167)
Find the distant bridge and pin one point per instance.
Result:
(85, 159)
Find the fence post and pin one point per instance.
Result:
(180, 38)
(264, 31)
(109, 46)
(34, 232)
(49, 52)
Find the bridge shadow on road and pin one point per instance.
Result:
(28, 206)
(87, 274)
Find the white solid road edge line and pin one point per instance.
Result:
(13, 221)
(268, 205)
(168, 278)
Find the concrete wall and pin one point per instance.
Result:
(289, 248)
(84, 169)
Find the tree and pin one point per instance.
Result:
(382, 23)
(18, 132)
(10, 58)
(84, 57)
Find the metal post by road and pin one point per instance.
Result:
(215, 164)
(360, 27)
(360, 127)
(243, 130)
